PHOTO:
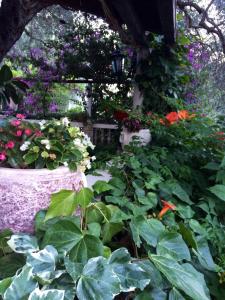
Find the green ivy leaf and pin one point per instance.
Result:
(172, 245)
(183, 277)
(23, 243)
(22, 285)
(62, 203)
(43, 263)
(219, 191)
(47, 295)
(89, 246)
(73, 268)
(98, 281)
(131, 275)
(101, 187)
(84, 197)
(109, 230)
(149, 230)
(63, 235)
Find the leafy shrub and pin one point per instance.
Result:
(45, 144)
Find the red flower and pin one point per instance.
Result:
(20, 116)
(15, 123)
(2, 156)
(172, 117)
(183, 114)
(28, 131)
(19, 133)
(166, 206)
(10, 145)
(38, 133)
(120, 115)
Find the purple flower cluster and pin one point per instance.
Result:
(132, 125)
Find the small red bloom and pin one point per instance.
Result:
(15, 123)
(2, 156)
(166, 206)
(28, 131)
(19, 133)
(172, 117)
(10, 145)
(20, 116)
(120, 115)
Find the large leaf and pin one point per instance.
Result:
(22, 243)
(97, 213)
(84, 197)
(22, 285)
(131, 275)
(98, 281)
(47, 295)
(204, 255)
(101, 187)
(43, 263)
(172, 245)
(147, 229)
(63, 235)
(62, 203)
(183, 277)
(89, 246)
(219, 191)
(178, 191)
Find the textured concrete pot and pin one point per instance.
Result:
(24, 192)
(126, 137)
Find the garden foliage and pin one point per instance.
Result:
(154, 231)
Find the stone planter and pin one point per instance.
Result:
(143, 135)
(24, 192)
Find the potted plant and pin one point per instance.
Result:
(36, 160)
(134, 128)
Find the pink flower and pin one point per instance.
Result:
(28, 131)
(2, 156)
(19, 133)
(15, 123)
(38, 133)
(20, 116)
(10, 145)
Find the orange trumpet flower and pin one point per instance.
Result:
(166, 206)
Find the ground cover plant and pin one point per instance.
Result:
(154, 231)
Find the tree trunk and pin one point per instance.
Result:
(14, 16)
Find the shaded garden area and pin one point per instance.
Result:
(112, 160)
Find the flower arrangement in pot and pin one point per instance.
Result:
(36, 160)
(133, 126)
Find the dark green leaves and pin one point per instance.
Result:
(97, 281)
(219, 191)
(147, 229)
(62, 203)
(172, 245)
(183, 277)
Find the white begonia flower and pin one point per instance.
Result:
(65, 121)
(93, 158)
(48, 147)
(25, 146)
(65, 164)
(42, 123)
